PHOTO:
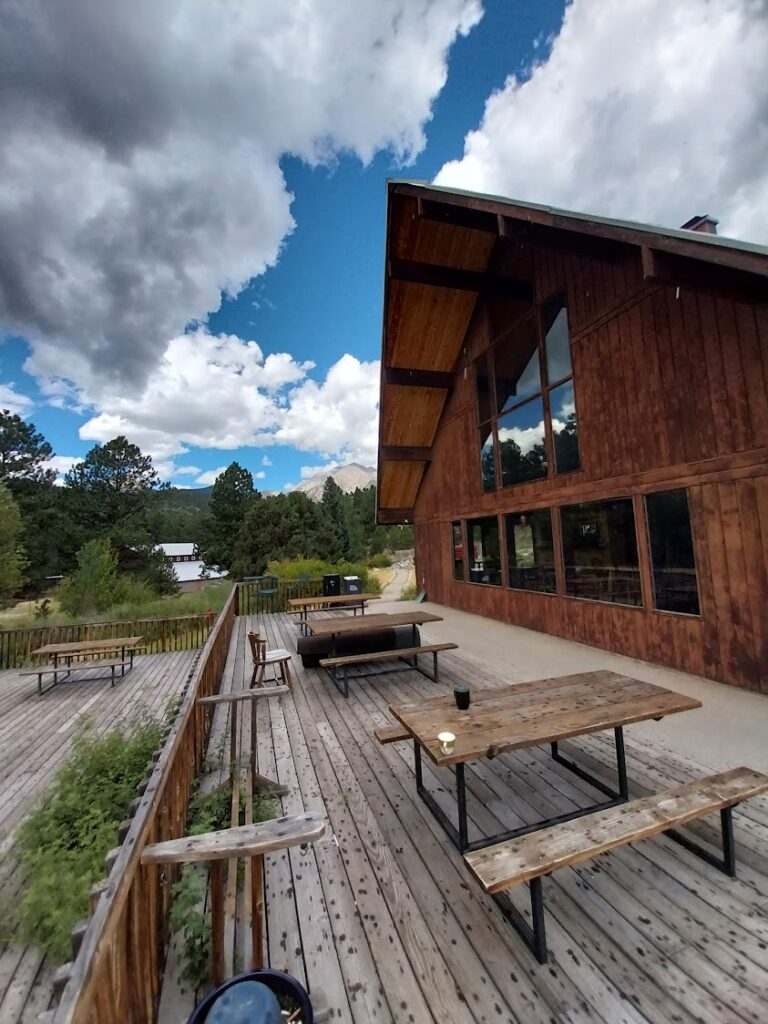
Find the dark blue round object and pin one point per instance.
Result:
(278, 983)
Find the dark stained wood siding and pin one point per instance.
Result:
(671, 391)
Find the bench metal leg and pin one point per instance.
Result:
(534, 937)
(726, 863)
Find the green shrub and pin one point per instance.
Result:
(409, 592)
(208, 812)
(315, 569)
(62, 844)
(95, 586)
(380, 561)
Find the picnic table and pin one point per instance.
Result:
(526, 715)
(306, 604)
(338, 667)
(86, 654)
(344, 625)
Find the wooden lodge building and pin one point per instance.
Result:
(574, 416)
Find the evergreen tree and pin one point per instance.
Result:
(283, 526)
(233, 494)
(95, 586)
(12, 560)
(23, 451)
(335, 508)
(113, 487)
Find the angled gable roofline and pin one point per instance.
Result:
(698, 245)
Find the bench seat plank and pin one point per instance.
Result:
(75, 666)
(517, 860)
(390, 655)
(241, 841)
(391, 733)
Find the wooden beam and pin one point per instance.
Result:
(456, 216)
(680, 271)
(417, 272)
(395, 515)
(406, 378)
(404, 453)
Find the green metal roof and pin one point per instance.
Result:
(720, 241)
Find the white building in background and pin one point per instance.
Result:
(188, 566)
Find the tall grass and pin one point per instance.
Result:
(211, 598)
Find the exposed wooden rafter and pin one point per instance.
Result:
(395, 515)
(416, 272)
(679, 271)
(409, 378)
(404, 453)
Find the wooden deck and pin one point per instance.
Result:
(383, 922)
(35, 737)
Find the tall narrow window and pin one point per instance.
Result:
(524, 377)
(530, 552)
(484, 551)
(483, 389)
(600, 551)
(457, 537)
(562, 405)
(671, 543)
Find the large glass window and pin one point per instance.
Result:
(516, 365)
(487, 463)
(519, 382)
(522, 451)
(457, 538)
(530, 551)
(484, 551)
(671, 544)
(562, 405)
(600, 551)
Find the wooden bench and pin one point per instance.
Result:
(527, 858)
(343, 663)
(391, 733)
(77, 666)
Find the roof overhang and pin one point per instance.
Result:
(444, 248)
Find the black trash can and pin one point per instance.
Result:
(331, 584)
(283, 985)
(353, 585)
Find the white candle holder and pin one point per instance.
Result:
(447, 742)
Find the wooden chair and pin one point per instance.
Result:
(279, 658)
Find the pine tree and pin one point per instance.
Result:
(12, 560)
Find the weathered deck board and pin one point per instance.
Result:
(647, 933)
(36, 736)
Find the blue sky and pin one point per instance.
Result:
(95, 337)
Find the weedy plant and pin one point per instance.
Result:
(62, 844)
(208, 812)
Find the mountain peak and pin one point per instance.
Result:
(348, 478)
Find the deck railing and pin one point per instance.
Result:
(117, 973)
(259, 598)
(179, 633)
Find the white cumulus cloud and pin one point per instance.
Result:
(14, 401)
(641, 109)
(140, 154)
(209, 477)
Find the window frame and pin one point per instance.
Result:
(468, 536)
(643, 605)
(461, 523)
(505, 516)
(536, 315)
(646, 539)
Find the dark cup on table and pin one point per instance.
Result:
(461, 695)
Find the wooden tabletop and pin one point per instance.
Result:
(527, 714)
(306, 602)
(361, 623)
(88, 646)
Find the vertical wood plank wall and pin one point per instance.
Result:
(671, 391)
